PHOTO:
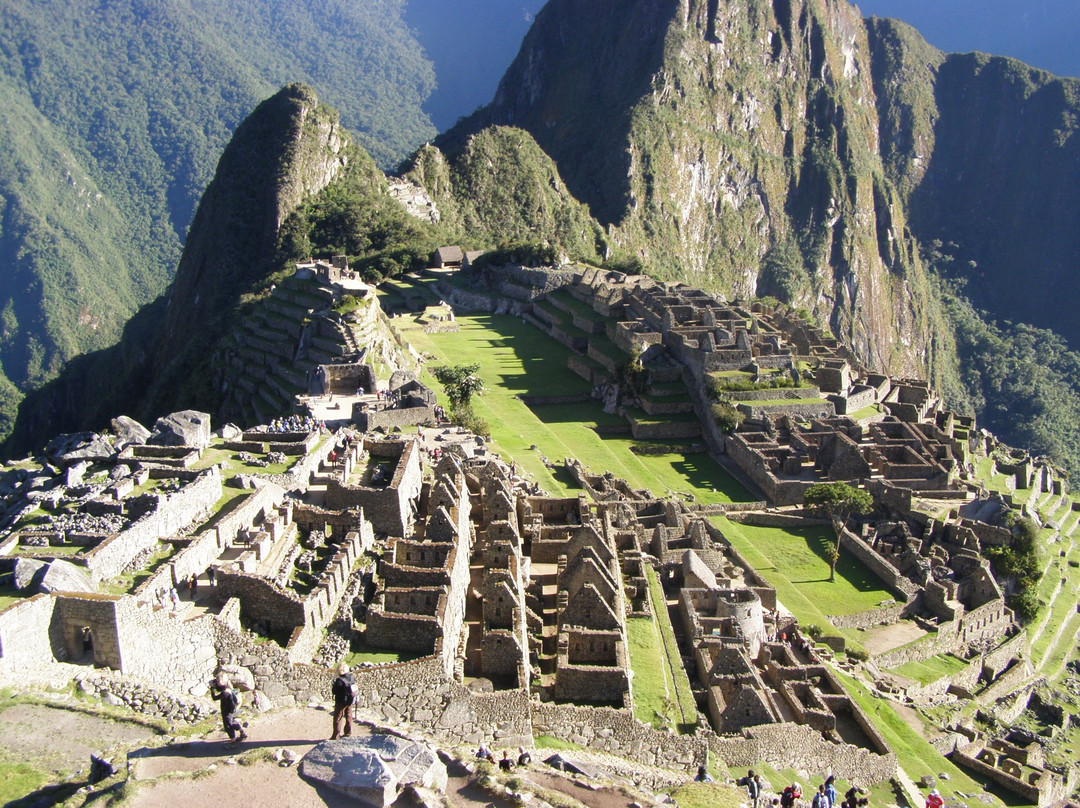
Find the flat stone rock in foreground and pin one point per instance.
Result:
(374, 769)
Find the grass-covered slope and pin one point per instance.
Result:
(114, 117)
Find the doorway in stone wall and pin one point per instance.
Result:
(84, 645)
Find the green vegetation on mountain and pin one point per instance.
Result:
(114, 117)
(501, 189)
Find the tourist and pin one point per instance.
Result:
(194, 584)
(851, 796)
(483, 753)
(222, 691)
(753, 788)
(211, 575)
(506, 764)
(174, 599)
(790, 796)
(935, 800)
(344, 692)
(524, 758)
(820, 799)
(87, 640)
(703, 775)
(830, 791)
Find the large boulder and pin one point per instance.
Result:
(128, 431)
(28, 571)
(71, 447)
(373, 770)
(231, 432)
(63, 576)
(184, 428)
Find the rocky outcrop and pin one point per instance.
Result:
(184, 428)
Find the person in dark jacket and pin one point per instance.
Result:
(221, 691)
(344, 692)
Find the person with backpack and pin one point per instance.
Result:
(222, 691)
(820, 800)
(344, 692)
(753, 788)
(935, 800)
(790, 795)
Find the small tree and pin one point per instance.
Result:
(460, 382)
(838, 501)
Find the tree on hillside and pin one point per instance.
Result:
(460, 383)
(838, 501)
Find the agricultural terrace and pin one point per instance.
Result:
(516, 360)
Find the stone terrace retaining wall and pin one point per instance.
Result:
(800, 747)
(618, 732)
(173, 513)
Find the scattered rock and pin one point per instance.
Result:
(184, 428)
(373, 769)
(231, 432)
(72, 447)
(128, 431)
(26, 571)
(63, 576)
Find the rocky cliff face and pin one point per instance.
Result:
(987, 154)
(728, 128)
(289, 148)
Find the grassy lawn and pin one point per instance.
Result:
(930, 670)
(517, 359)
(661, 691)
(8, 596)
(709, 795)
(379, 655)
(794, 560)
(18, 780)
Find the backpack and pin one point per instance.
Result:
(230, 701)
(344, 690)
(820, 801)
(787, 797)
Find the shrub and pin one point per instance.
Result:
(726, 416)
(465, 416)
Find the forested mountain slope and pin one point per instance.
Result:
(114, 115)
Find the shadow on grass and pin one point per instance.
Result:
(702, 472)
(821, 541)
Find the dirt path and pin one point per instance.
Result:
(59, 740)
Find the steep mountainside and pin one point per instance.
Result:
(997, 174)
(736, 147)
(114, 116)
(289, 148)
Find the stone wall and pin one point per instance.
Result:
(881, 616)
(876, 563)
(617, 732)
(196, 557)
(30, 634)
(261, 599)
(157, 647)
(99, 613)
(800, 747)
(249, 512)
(173, 513)
(369, 420)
